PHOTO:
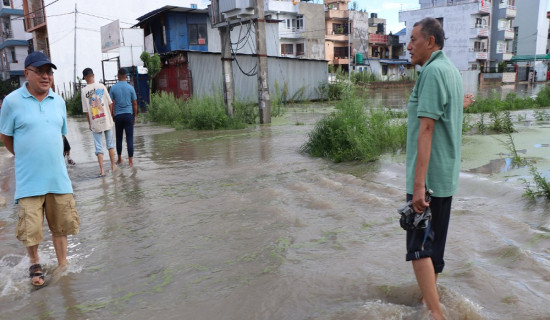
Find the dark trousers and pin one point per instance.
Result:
(124, 123)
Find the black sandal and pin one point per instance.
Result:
(36, 271)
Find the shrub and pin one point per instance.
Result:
(74, 104)
(351, 133)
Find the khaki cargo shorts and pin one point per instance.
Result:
(60, 211)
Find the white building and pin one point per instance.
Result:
(478, 33)
(531, 27)
(13, 41)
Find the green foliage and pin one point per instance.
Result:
(541, 185)
(543, 97)
(352, 133)
(517, 160)
(502, 122)
(6, 87)
(207, 113)
(152, 63)
(74, 104)
(541, 115)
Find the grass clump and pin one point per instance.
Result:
(351, 133)
(74, 104)
(205, 113)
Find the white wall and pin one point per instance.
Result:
(532, 26)
(247, 34)
(456, 24)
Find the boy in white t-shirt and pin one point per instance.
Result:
(97, 104)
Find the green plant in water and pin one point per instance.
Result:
(502, 122)
(481, 126)
(541, 185)
(517, 160)
(351, 133)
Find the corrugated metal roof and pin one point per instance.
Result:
(530, 57)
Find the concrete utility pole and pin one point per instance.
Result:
(227, 69)
(263, 78)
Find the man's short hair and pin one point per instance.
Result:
(432, 27)
(86, 72)
(121, 72)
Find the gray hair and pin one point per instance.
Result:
(432, 27)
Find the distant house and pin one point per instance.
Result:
(13, 41)
(190, 50)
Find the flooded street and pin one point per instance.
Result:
(240, 225)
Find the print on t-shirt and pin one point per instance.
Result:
(95, 98)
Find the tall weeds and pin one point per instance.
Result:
(351, 133)
(205, 113)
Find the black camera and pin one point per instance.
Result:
(410, 219)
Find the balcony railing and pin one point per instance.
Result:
(509, 34)
(511, 12)
(480, 32)
(34, 19)
(484, 7)
(336, 14)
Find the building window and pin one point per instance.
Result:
(299, 49)
(193, 6)
(384, 69)
(300, 22)
(7, 3)
(197, 34)
(338, 28)
(287, 49)
(341, 52)
(474, 66)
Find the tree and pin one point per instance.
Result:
(153, 65)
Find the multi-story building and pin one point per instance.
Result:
(301, 27)
(36, 24)
(13, 41)
(531, 27)
(337, 27)
(489, 37)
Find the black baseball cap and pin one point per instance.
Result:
(38, 59)
(86, 72)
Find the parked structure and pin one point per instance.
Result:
(13, 41)
(488, 40)
(195, 69)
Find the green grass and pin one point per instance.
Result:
(354, 133)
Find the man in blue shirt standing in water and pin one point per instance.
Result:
(125, 112)
(32, 123)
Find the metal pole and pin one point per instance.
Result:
(74, 73)
(349, 48)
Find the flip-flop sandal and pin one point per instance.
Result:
(71, 162)
(36, 271)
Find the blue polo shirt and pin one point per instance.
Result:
(37, 128)
(123, 94)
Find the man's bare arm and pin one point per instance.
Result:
(8, 142)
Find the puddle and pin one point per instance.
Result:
(543, 145)
(494, 166)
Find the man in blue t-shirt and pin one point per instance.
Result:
(32, 125)
(124, 113)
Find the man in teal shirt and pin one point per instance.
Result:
(434, 137)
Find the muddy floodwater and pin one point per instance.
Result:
(240, 225)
